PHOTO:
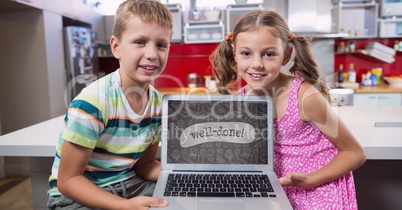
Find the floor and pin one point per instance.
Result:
(15, 194)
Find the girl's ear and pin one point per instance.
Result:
(233, 51)
(288, 55)
(114, 45)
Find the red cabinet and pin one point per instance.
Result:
(183, 59)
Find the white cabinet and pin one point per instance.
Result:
(74, 9)
(391, 8)
(34, 68)
(61, 7)
(108, 22)
(377, 99)
(391, 27)
(357, 20)
(33, 3)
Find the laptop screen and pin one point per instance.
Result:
(217, 132)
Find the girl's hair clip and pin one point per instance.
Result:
(229, 37)
(292, 35)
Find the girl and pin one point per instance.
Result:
(315, 153)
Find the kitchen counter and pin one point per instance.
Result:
(197, 90)
(378, 130)
(378, 89)
(360, 89)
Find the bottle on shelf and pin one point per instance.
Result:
(345, 76)
(351, 73)
(340, 73)
(400, 46)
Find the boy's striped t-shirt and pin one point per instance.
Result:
(101, 118)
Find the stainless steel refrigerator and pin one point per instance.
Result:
(80, 58)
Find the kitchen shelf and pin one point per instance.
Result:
(361, 53)
(359, 20)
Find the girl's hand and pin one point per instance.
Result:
(144, 202)
(297, 179)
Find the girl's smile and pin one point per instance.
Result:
(257, 76)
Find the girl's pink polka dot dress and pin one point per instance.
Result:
(301, 147)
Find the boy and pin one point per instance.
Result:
(106, 152)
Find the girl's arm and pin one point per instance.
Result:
(315, 108)
(73, 184)
(147, 167)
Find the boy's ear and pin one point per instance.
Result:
(288, 55)
(114, 45)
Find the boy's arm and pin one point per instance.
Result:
(147, 167)
(73, 184)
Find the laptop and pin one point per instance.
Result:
(217, 153)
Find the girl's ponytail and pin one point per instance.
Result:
(223, 63)
(305, 65)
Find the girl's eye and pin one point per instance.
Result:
(245, 53)
(269, 54)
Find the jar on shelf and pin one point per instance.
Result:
(341, 47)
(352, 46)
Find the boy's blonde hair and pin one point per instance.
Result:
(149, 11)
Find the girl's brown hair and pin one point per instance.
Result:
(149, 11)
(304, 66)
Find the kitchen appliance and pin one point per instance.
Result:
(235, 11)
(342, 96)
(309, 17)
(203, 31)
(80, 58)
(176, 11)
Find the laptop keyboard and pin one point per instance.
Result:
(218, 185)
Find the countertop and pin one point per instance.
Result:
(378, 89)
(197, 90)
(360, 89)
(385, 142)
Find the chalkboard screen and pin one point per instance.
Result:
(217, 132)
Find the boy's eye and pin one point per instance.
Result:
(162, 45)
(140, 42)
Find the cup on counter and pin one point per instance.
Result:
(194, 80)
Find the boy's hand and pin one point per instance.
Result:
(297, 179)
(144, 202)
